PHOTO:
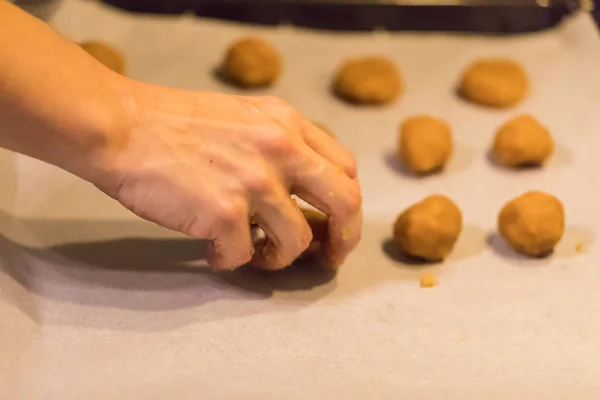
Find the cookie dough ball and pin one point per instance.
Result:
(369, 80)
(494, 82)
(425, 144)
(251, 63)
(533, 223)
(106, 54)
(522, 141)
(429, 228)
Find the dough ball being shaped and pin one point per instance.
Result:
(494, 82)
(251, 63)
(522, 141)
(425, 144)
(369, 80)
(106, 54)
(533, 223)
(429, 228)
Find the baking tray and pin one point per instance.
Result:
(97, 304)
(489, 16)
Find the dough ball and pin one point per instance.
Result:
(425, 144)
(532, 223)
(494, 82)
(522, 141)
(251, 63)
(106, 54)
(429, 228)
(369, 80)
(324, 129)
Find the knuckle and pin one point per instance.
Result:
(352, 201)
(258, 180)
(230, 212)
(278, 141)
(280, 108)
(289, 113)
(196, 229)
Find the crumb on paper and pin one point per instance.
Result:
(580, 247)
(428, 281)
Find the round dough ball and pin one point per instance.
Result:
(369, 80)
(324, 129)
(533, 223)
(425, 144)
(106, 54)
(429, 228)
(251, 63)
(522, 141)
(494, 82)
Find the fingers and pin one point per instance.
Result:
(329, 148)
(337, 195)
(318, 169)
(233, 245)
(322, 143)
(288, 233)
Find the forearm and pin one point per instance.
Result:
(57, 103)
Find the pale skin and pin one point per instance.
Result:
(202, 163)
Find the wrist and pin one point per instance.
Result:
(101, 133)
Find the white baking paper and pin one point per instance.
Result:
(98, 304)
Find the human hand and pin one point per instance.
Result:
(203, 163)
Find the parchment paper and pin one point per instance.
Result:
(97, 304)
